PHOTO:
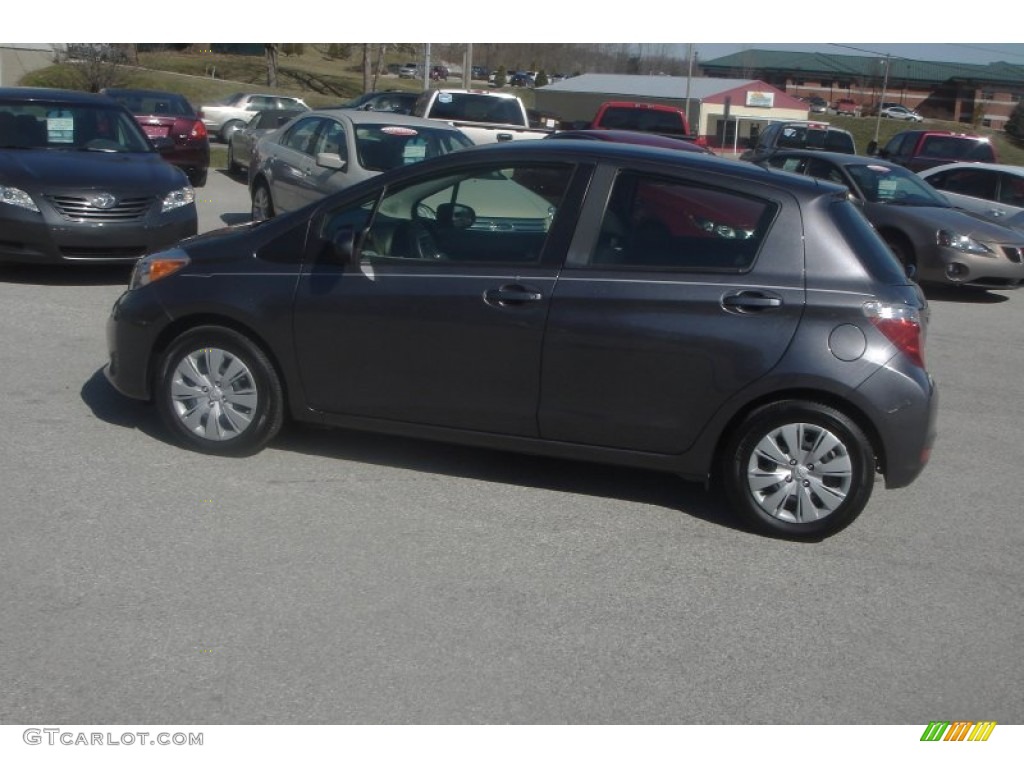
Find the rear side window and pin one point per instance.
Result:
(641, 119)
(836, 141)
(866, 243)
(956, 148)
(656, 223)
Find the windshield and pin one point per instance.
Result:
(383, 147)
(69, 126)
(894, 186)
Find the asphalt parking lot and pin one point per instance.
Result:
(346, 578)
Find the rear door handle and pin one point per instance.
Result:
(511, 295)
(751, 301)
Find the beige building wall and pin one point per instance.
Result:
(18, 59)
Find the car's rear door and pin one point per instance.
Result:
(677, 293)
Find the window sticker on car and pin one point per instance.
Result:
(444, 98)
(60, 130)
(412, 153)
(395, 130)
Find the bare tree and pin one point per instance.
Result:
(271, 52)
(97, 64)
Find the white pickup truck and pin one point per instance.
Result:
(485, 117)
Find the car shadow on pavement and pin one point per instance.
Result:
(66, 274)
(965, 294)
(235, 218)
(109, 405)
(640, 486)
(611, 482)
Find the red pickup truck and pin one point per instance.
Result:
(649, 118)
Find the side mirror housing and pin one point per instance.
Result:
(455, 215)
(331, 160)
(341, 247)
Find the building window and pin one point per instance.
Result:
(988, 95)
(844, 85)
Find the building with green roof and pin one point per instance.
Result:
(977, 94)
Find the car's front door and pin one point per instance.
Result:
(439, 318)
(290, 164)
(675, 296)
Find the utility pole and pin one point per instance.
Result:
(426, 66)
(881, 100)
(467, 67)
(689, 77)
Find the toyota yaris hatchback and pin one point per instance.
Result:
(603, 302)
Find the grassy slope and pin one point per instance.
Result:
(205, 77)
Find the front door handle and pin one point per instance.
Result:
(511, 295)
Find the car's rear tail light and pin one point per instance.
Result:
(900, 324)
(198, 131)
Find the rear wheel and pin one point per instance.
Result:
(798, 469)
(218, 393)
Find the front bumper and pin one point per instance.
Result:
(133, 330)
(49, 238)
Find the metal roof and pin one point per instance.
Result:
(866, 66)
(652, 86)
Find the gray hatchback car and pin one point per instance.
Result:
(589, 300)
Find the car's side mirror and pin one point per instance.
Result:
(455, 215)
(330, 160)
(340, 248)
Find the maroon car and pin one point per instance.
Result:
(173, 126)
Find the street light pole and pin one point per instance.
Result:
(881, 100)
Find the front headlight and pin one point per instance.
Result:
(18, 197)
(157, 266)
(178, 198)
(963, 243)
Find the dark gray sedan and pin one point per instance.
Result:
(935, 241)
(326, 151)
(590, 300)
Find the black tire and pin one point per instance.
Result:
(197, 177)
(229, 128)
(232, 416)
(262, 202)
(233, 168)
(798, 470)
(904, 251)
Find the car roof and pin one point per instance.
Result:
(360, 117)
(583, 150)
(842, 158)
(54, 94)
(632, 137)
(1016, 170)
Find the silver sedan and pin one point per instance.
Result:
(324, 151)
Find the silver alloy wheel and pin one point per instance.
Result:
(214, 394)
(261, 205)
(799, 472)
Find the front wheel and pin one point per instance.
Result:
(798, 469)
(218, 393)
(262, 203)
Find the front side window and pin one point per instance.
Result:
(300, 136)
(331, 140)
(488, 216)
(654, 223)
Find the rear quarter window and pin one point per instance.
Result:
(864, 240)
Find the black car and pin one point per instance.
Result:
(80, 182)
(798, 134)
(583, 299)
(401, 102)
